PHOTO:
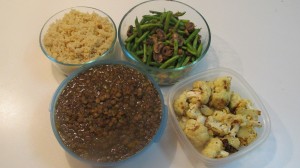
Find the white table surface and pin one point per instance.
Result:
(259, 39)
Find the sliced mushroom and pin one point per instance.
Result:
(190, 27)
(160, 34)
(157, 47)
(130, 31)
(157, 57)
(167, 51)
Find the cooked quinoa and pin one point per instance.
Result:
(79, 37)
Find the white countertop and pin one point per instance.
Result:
(258, 39)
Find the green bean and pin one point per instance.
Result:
(186, 60)
(162, 17)
(195, 41)
(175, 47)
(139, 52)
(191, 36)
(169, 61)
(176, 25)
(155, 12)
(135, 56)
(181, 32)
(138, 27)
(154, 64)
(145, 52)
(177, 14)
(128, 46)
(199, 50)
(167, 21)
(176, 20)
(131, 37)
(151, 25)
(191, 49)
(139, 40)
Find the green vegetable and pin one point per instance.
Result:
(166, 31)
(169, 61)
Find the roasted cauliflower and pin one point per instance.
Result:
(216, 120)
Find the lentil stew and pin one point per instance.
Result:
(108, 113)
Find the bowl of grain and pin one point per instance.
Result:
(77, 36)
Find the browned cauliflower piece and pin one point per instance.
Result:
(205, 110)
(201, 92)
(221, 123)
(214, 149)
(233, 141)
(196, 132)
(220, 99)
(246, 135)
(182, 122)
(221, 93)
(181, 104)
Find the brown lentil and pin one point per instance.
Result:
(108, 113)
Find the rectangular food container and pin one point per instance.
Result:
(238, 85)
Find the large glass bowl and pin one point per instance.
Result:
(67, 68)
(164, 76)
(156, 137)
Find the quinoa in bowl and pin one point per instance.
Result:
(77, 36)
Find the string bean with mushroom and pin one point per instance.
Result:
(164, 40)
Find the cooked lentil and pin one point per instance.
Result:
(108, 113)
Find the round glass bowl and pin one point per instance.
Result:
(71, 39)
(164, 76)
(78, 89)
(238, 85)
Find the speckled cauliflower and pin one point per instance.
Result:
(215, 119)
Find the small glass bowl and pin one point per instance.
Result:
(155, 139)
(67, 68)
(164, 76)
(238, 85)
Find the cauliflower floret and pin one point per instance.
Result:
(221, 99)
(233, 141)
(201, 92)
(234, 100)
(237, 103)
(182, 122)
(196, 132)
(205, 110)
(181, 104)
(250, 114)
(246, 135)
(214, 149)
(193, 111)
(221, 93)
(222, 83)
(221, 123)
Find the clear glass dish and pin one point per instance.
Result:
(239, 85)
(61, 87)
(67, 68)
(164, 76)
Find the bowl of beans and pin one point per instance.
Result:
(108, 112)
(77, 36)
(161, 37)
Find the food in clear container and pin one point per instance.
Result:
(216, 119)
